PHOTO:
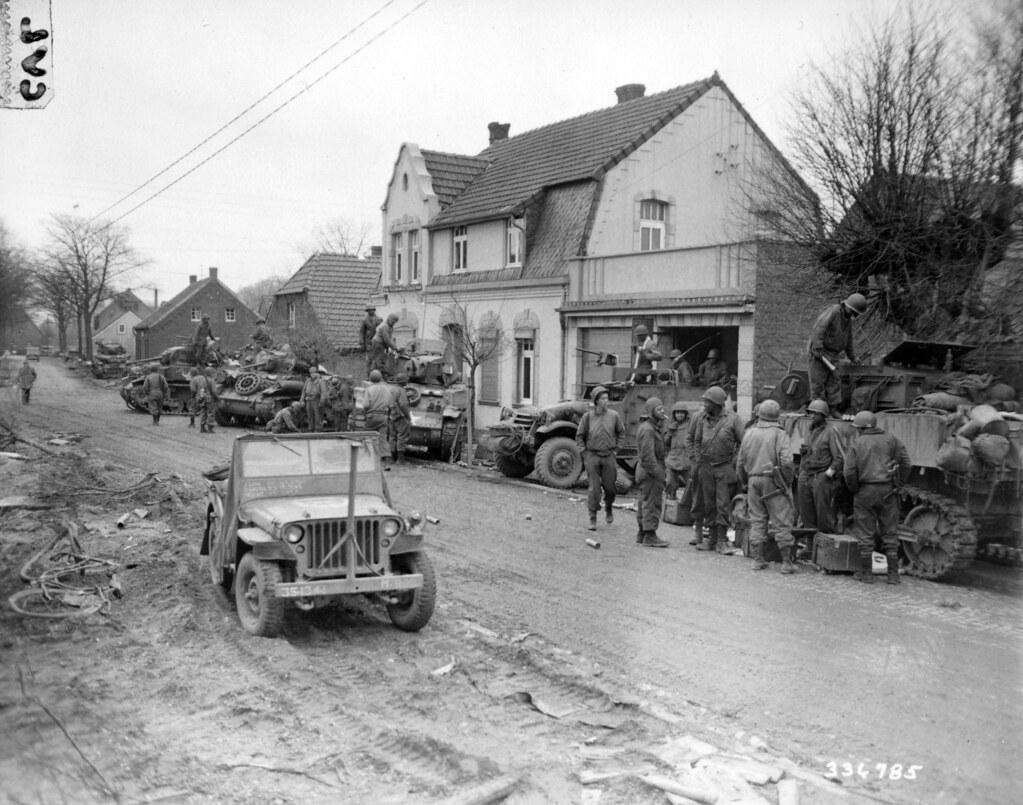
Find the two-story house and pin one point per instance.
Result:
(558, 242)
(116, 318)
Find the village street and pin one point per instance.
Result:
(622, 651)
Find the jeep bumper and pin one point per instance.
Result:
(371, 584)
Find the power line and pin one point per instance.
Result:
(249, 108)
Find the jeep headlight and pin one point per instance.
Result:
(413, 519)
(391, 528)
(293, 533)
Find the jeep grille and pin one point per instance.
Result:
(328, 557)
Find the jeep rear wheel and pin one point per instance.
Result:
(415, 607)
(512, 466)
(260, 613)
(559, 463)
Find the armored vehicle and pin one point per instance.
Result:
(966, 446)
(253, 387)
(174, 363)
(306, 519)
(529, 440)
(109, 360)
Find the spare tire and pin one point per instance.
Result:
(247, 383)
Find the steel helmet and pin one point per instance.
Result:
(679, 406)
(712, 353)
(715, 394)
(641, 330)
(375, 376)
(675, 353)
(856, 303)
(864, 419)
(296, 404)
(597, 391)
(818, 407)
(768, 411)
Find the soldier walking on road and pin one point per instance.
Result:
(876, 465)
(376, 403)
(154, 389)
(26, 377)
(650, 474)
(313, 397)
(819, 466)
(285, 420)
(400, 419)
(764, 467)
(598, 437)
(713, 441)
(201, 402)
(367, 330)
(832, 335)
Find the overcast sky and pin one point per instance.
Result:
(140, 83)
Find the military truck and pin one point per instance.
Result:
(542, 440)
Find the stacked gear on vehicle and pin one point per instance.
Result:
(174, 363)
(253, 385)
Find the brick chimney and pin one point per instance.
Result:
(192, 279)
(213, 272)
(629, 92)
(498, 131)
(376, 251)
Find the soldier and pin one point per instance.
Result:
(677, 463)
(764, 466)
(285, 420)
(713, 442)
(383, 345)
(820, 464)
(263, 336)
(26, 377)
(313, 397)
(713, 371)
(341, 401)
(200, 339)
(876, 465)
(367, 330)
(599, 435)
(832, 335)
(376, 403)
(650, 474)
(154, 389)
(400, 417)
(201, 402)
(681, 367)
(646, 355)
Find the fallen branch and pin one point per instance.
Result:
(278, 769)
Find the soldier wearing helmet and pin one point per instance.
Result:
(647, 355)
(676, 463)
(367, 329)
(154, 389)
(599, 436)
(376, 404)
(820, 467)
(400, 418)
(263, 336)
(764, 467)
(201, 339)
(713, 371)
(650, 474)
(713, 441)
(876, 464)
(832, 334)
(383, 345)
(285, 420)
(681, 367)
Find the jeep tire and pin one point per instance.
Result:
(260, 612)
(559, 462)
(415, 607)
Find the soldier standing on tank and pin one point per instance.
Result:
(201, 402)
(677, 462)
(646, 355)
(367, 329)
(598, 436)
(263, 336)
(384, 346)
(876, 465)
(312, 397)
(832, 335)
(713, 371)
(341, 401)
(400, 418)
(713, 441)
(154, 389)
(764, 466)
(376, 403)
(650, 474)
(200, 340)
(819, 466)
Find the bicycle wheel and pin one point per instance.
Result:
(38, 603)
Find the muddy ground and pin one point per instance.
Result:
(551, 672)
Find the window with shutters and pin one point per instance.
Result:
(490, 367)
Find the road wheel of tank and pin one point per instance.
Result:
(512, 466)
(247, 383)
(943, 535)
(415, 607)
(260, 612)
(558, 463)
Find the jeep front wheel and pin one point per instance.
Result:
(559, 463)
(415, 607)
(260, 612)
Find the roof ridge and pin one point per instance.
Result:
(474, 157)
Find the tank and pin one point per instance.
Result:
(109, 360)
(254, 385)
(174, 362)
(965, 442)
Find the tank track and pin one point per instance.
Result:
(961, 529)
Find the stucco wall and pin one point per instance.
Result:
(408, 208)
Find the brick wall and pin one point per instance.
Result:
(177, 327)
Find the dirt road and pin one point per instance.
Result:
(545, 661)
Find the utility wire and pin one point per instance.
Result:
(250, 107)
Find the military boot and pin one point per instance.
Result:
(609, 515)
(593, 522)
(787, 565)
(697, 531)
(709, 540)
(759, 563)
(722, 545)
(866, 571)
(651, 540)
(893, 569)
(640, 535)
(191, 422)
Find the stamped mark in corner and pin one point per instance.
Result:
(26, 54)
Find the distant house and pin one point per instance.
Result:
(17, 331)
(115, 321)
(325, 301)
(174, 323)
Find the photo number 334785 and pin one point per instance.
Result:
(878, 771)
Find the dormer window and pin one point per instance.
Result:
(652, 217)
(514, 244)
(461, 248)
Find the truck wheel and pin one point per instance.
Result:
(260, 613)
(512, 466)
(558, 462)
(414, 607)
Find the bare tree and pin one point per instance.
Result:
(89, 256)
(913, 182)
(259, 295)
(341, 236)
(53, 294)
(15, 277)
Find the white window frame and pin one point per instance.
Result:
(122, 328)
(460, 248)
(525, 349)
(229, 315)
(513, 245)
(292, 317)
(397, 257)
(653, 218)
(196, 314)
(413, 248)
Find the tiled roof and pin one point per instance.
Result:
(450, 173)
(173, 303)
(568, 151)
(339, 288)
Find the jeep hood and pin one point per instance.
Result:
(267, 511)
